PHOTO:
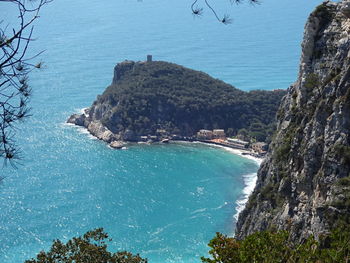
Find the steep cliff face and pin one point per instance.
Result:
(303, 185)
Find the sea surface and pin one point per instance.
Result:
(163, 201)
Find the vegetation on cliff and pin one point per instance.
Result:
(155, 95)
(276, 247)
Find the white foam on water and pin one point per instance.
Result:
(81, 111)
(249, 185)
(81, 129)
(248, 179)
(85, 131)
(201, 210)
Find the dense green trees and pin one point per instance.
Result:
(261, 247)
(90, 248)
(161, 95)
(275, 247)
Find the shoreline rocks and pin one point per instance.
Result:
(117, 144)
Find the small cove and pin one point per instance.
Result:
(152, 199)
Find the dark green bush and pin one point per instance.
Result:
(283, 150)
(311, 82)
(345, 181)
(276, 247)
(342, 152)
(90, 248)
(325, 13)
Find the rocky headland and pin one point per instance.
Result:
(304, 183)
(155, 100)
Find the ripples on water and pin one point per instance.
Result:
(164, 202)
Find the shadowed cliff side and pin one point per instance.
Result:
(303, 185)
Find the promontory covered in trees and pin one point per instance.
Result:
(148, 98)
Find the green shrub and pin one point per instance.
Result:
(282, 152)
(276, 247)
(342, 152)
(345, 181)
(324, 13)
(268, 192)
(311, 82)
(90, 248)
(252, 201)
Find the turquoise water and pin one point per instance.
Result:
(164, 202)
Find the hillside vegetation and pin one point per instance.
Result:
(155, 95)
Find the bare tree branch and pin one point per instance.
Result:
(14, 69)
(198, 11)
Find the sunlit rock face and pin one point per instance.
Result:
(303, 184)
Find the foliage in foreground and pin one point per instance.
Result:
(261, 247)
(15, 67)
(273, 247)
(91, 248)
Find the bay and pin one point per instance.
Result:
(165, 202)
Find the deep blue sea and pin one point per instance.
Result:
(162, 201)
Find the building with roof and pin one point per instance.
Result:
(205, 135)
(260, 147)
(219, 134)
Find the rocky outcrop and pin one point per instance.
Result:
(120, 69)
(94, 126)
(117, 144)
(92, 118)
(303, 184)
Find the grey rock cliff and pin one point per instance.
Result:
(302, 184)
(92, 118)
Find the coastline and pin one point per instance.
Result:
(248, 179)
(234, 151)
